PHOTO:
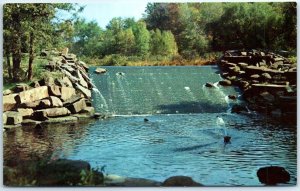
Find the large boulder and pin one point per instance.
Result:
(273, 175)
(54, 90)
(43, 114)
(55, 101)
(13, 118)
(180, 181)
(9, 102)
(25, 112)
(67, 93)
(77, 106)
(56, 112)
(86, 92)
(32, 95)
(64, 172)
(82, 80)
(45, 103)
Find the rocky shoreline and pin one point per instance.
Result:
(51, 100)
(268, 81)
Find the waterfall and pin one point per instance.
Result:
(96, 90)
(159, 90)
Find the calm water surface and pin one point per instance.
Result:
(181, 137)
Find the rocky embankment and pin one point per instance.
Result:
(268, 80)
(51, 99)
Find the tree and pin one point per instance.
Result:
(32, 21)
(142, 39)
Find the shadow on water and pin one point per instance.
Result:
(194, 147)
(192, 107)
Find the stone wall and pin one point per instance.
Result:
(50, 99)
(267, 79)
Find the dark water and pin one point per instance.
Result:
(181, 137)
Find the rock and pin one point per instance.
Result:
(44, 53)
(64, 172)
(232, 96)
(56, 112)
(39, 115)
(266, 76)
(209, 84)
(267, 96)
(83, 64)
(72, 100)
(242, 64)
(81, 80)
(100, 71)
(86, 92)
(238, 108)
(9, 102)
(68, 68)
(273, 175)
(20, 87)
(32, 95)
(65, 119)
(30, 122)
(54, 90)
(180, 181)
(89, 110)
(77, 106)
(243, 53)
(65, 81)
(47, 81)
(67, 92)
(7, 92)
(35, 84)
(225, 82)
(13, 118)
(44, 104)
(25, 112)
(4, 118)
(115, 180)
(55, 102)
(97, 115)
(32, 105)
(255, 76)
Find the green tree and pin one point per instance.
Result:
(142, 39)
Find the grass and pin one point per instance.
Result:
(120, 60)
(37, 68)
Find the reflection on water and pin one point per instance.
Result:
(168, 145)
(180, 138)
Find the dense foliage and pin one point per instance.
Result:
(166, 31)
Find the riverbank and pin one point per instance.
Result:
(268, 81)
(62, 95)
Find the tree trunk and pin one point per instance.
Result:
(31, 55)
(16, 47)
(8, 65)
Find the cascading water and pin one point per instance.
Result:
(161, 90)
(181, 135)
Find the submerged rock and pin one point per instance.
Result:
(273, 175)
